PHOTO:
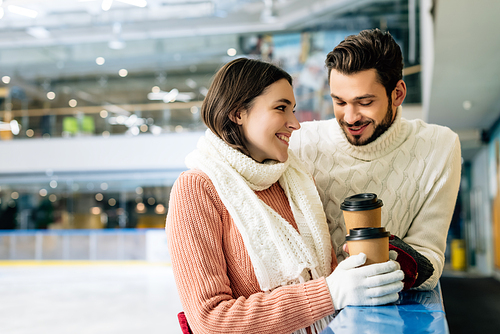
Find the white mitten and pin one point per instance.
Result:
(375, 284)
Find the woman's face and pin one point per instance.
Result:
(268, 125)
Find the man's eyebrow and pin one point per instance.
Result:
(362, 97)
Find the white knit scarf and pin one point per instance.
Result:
(279, 254)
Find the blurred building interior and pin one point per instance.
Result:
(100, 102)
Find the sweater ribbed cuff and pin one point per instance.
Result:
(320, 300)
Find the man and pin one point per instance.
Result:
(412, 166)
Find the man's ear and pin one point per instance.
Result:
(399, 93)
(235, 116)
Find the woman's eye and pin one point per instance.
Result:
(282, 108)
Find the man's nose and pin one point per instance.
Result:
(351, 115)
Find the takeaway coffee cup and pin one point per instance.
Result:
(362, 210)
(373, 241)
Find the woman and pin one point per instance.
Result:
(247, 235)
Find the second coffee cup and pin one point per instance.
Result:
(374, 242)
(362, 210)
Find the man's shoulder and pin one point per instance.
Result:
(316, 127)
(311, 132)
(423, 129)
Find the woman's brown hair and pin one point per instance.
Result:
(233, 89)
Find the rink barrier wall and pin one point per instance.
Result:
(148, 245)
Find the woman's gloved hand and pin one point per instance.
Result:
(375, 284)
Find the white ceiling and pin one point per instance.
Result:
(466, 68)
(194, 35)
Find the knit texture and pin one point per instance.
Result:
(280, 254)
(414, 167)
(214, 275)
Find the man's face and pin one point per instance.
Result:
(361, 105)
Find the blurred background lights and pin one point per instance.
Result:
(123, 73)
(104, 186)
(72, 103)
(30, 133)
(144, 127)
(43, 192)
(52, 198)
(194, 110)
(14, 195)
(51, 95)
(99, 197)
(14, 127)
(139, 190)
(112, 202)
(100, 60)
(156, 130)
(53, 184)
(160, 209)
(6, 79)
(151, 201)
(95, 210)
(140, 208)
(155, 89)
(103, 113)
(120, 119)
(134, 130)
(231, 52)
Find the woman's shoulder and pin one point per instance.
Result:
(195, 182)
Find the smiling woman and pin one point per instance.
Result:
(246, 229)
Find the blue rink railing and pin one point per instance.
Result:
(415, 312)
(90, 245)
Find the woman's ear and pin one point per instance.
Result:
(235, 116)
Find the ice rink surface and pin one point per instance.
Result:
(106, 298)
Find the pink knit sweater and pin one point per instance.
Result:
(215, 279)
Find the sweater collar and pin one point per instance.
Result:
(386, 143)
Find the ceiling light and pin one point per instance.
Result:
(231, 52)
(467, 105)
(155, 89)
(72, 103)
(51, 95)
(100, 60)
(123, 73)
(106, 5)
(6, 79)
(23, 11)
(38, 32)
(138, 3)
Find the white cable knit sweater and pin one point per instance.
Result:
(414, 167)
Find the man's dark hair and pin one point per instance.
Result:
(369, 49)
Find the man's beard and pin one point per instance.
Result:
(378, 129)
